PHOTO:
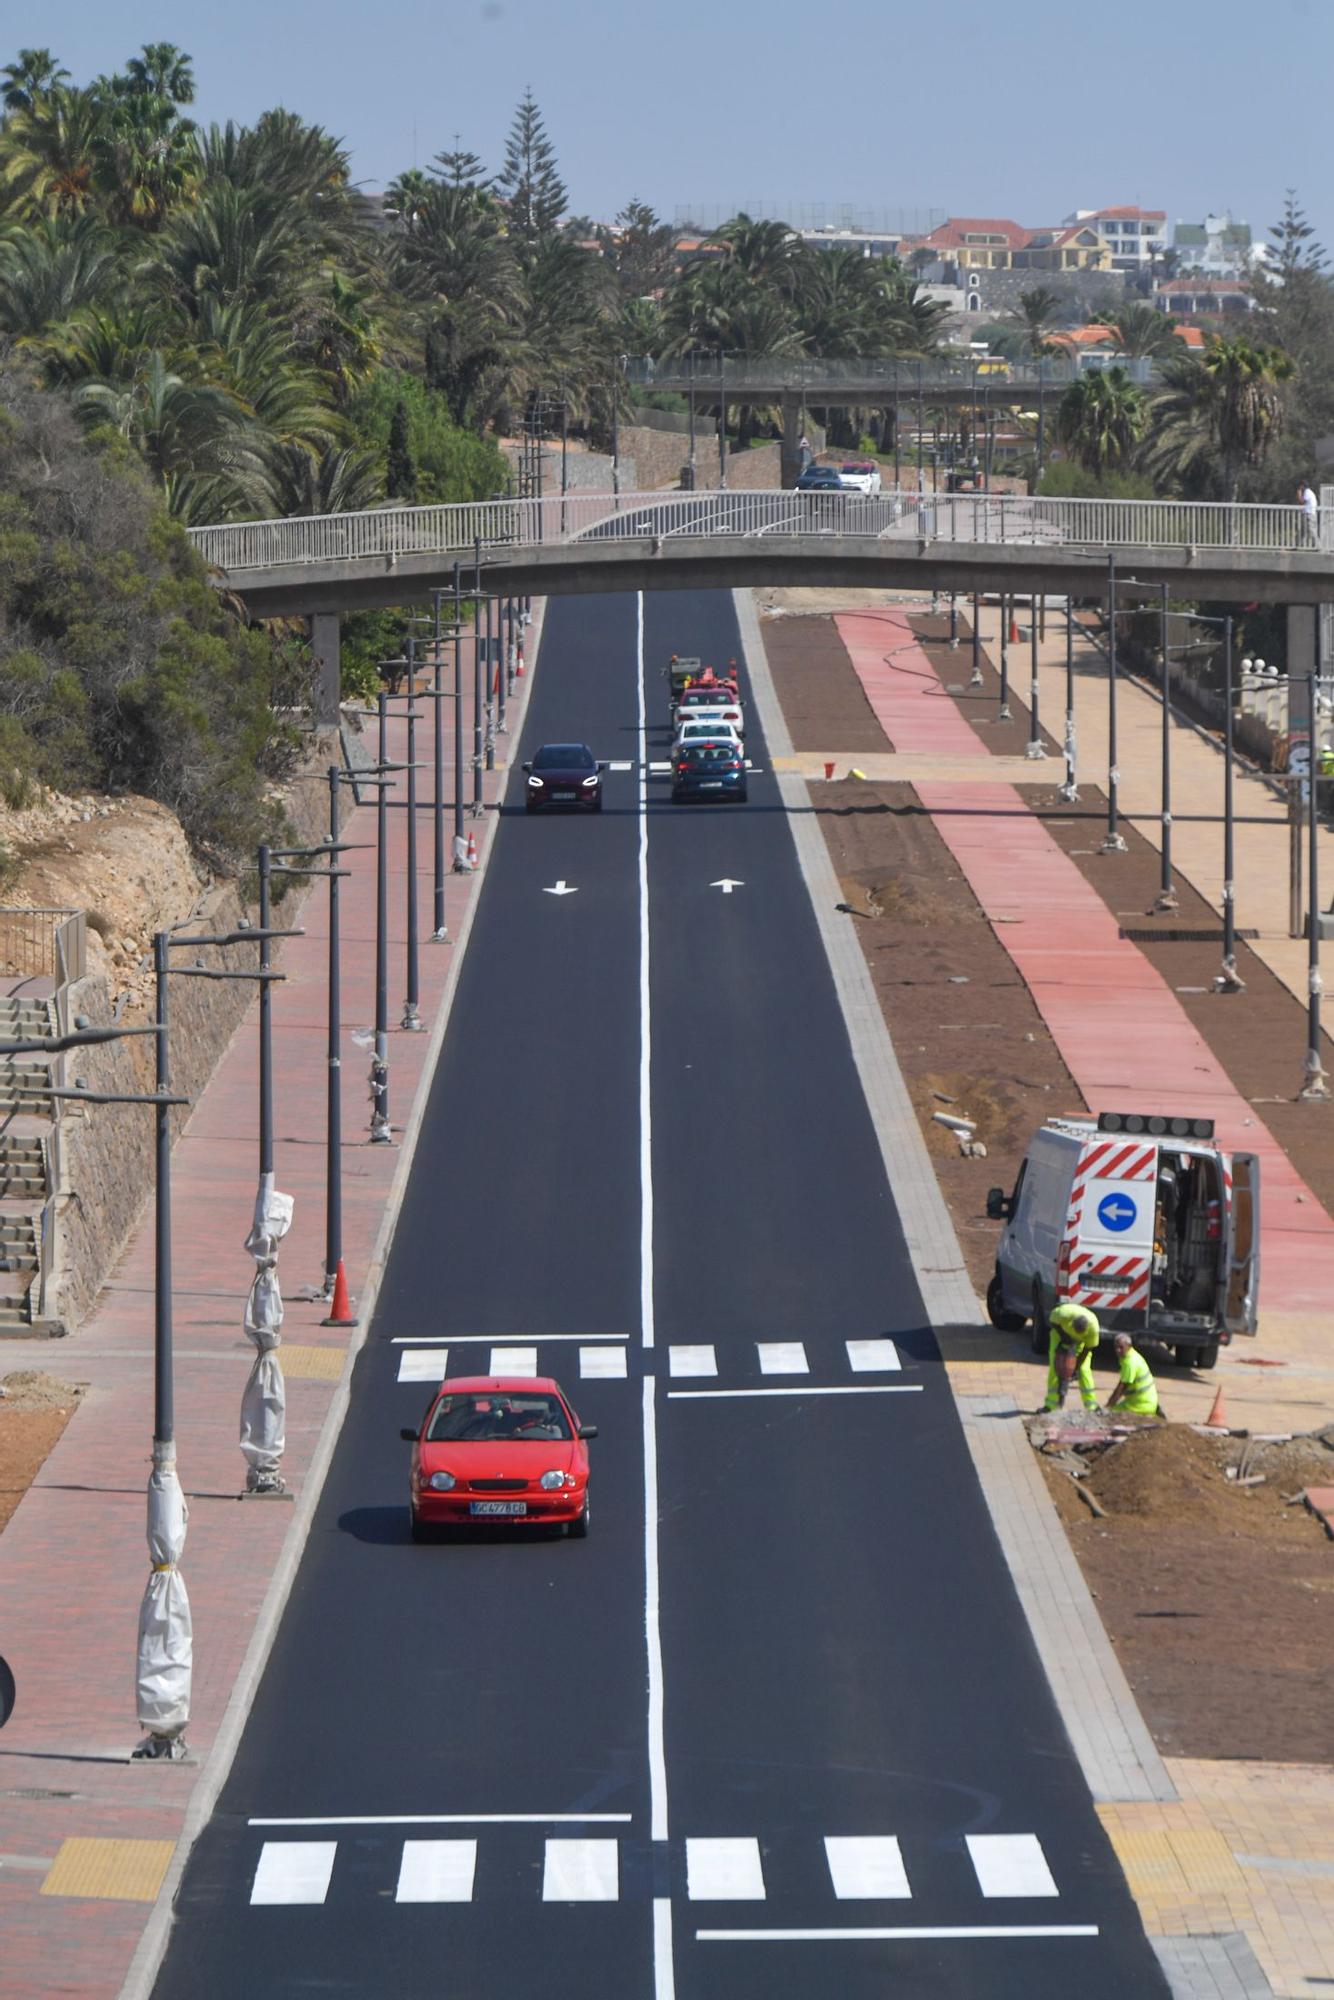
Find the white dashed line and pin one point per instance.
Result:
(423, 1364)
(870, 1357)
(601, 1361)
(580, 1871)
(1010, 1864)
(436, 1871)
(724, 1871)
(692, 1361)
(513, 1361)
(293, 1871)
(865, 1866)
(782, 1357)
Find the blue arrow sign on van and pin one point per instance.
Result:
(1116, 1212)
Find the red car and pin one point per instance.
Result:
(499, 1448)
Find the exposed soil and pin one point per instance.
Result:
(1258, 1036)
(34, 1409)
(1219, 1600)
(821, 699)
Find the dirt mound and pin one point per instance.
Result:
(34, 1389)
(1168, 1474)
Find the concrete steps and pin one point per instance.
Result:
(23, 1168)
(26, 1087)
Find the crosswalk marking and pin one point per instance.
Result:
(293, 1871)
(621, 764)
(1010, 1864)
(724, 1871)
(436, 1871)
(692, 1361)
(513, 1361)
(423, 1364)
(602, 1361)
(868, 1357)
(865, 1866)
(782, 1357)
(580, 1871)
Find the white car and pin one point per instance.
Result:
(860, 475)
(721, 709)
(708, 730)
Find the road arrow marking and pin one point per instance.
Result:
(562, 888)
(727, 885)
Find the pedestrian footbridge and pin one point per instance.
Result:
(331, 563)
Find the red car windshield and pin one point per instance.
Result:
(487, 1418)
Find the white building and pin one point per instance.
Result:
(1135, 236)
(1218, 247)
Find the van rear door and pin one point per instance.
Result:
(1239, 1289)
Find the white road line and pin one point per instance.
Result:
(865, 1866)
(293, 1871)
(664, 1977)
(513, 1361)
(907, 1934)
(423, 1364)
(724, 1871)
(455, 1819)
(659, 765)
(436, 1871)
(595, 1361)
(621, 764)
(870, 1357)
(580, 1871)
(1010, 1864)
(481, 1339)
(782, 1357)
(807, 1389)
(692, 1361)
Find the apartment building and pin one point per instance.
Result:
(1135, 237)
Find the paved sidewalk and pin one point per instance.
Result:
(86, 1838)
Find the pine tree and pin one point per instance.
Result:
(530, 180)
(461, 169)
(401, 478)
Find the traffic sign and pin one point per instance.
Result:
(1117, 1212)
(8, 1693)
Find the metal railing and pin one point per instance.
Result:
(43, 944)
(388, 534)
(883, 380)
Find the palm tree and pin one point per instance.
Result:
(769, 253)
(149, 160)
(1037, 313)
(163, 70)
(333, 481)
(196, 439)
(1180, 447)
(1248, 410)
(1143, 333)
(34, 75)
(1101, 418)
(52, 271)
(51, 151)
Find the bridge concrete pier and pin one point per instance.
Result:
(789, 452)
(326, 646)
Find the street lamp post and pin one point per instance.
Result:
(439, 930)
(1113, 842)
(1035, 749)
(490, 685)
(1315, 1089)
(477, 681)
(458, 721)
(411, 1017)
(1229, 980)
(1167, 896)
(954, 623)
(1003, 714)
(381, 1133)
(975, 678)
(1070, 789)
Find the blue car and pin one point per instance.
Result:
(820, 479)
(709, 771)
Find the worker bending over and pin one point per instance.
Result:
(1074, 1333)
(1137, 1391)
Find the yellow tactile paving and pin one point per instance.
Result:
(311, 1363)
(122, 1871)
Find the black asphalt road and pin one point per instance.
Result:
(842, 1650)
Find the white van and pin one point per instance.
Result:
(1144, 1219)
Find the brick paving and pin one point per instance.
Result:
(73, 1560)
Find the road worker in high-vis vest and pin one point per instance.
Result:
(1137, 1391)
(1074, 1333)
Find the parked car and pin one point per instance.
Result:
(860, 475)
(821, 479)
(499, 1448)
(709, 771)
(564, 774)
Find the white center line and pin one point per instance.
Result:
(807, 1389)
(454, 1819)
(1010, 1864)
(436, 1871)
(293, 1871)
(906, 1934)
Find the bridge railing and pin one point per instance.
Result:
(385, 535)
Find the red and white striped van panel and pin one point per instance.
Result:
(1109, 1281)
(1101, 1159)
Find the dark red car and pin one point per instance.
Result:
(564, 774)
(499, 1448)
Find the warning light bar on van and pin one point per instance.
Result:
(1155, 1126)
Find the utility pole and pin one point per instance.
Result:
(1167, 896)
(1114, 842)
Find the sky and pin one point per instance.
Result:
(1021, 108)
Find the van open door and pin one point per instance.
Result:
(1241, 1271)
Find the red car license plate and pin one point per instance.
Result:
(497, 1506)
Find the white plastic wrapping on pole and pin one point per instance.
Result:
(166, 1647)
(264, 1401)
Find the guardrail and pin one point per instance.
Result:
(883, 379)
(387, 534)
(43, 944)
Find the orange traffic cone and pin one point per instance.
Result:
(1014, 630)
(472, 850)
(1216, 1419)
(520, 670)
(340, 1309)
